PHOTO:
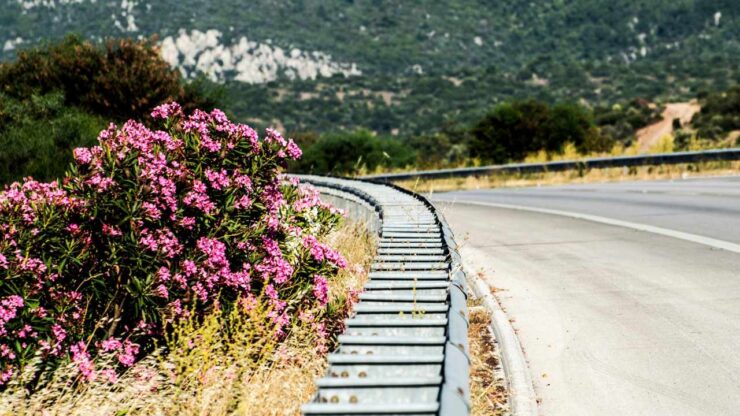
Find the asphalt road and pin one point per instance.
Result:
(706, 207)
(615, 321)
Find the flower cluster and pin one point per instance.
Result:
(151, 225)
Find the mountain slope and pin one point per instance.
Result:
(411, 65)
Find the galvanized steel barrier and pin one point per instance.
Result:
(563, 165)
(405, 348)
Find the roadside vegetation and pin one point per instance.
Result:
(214, 366)
(57, 96)
(171, 260)
(528, 130)
(488, 390)
(675, 172)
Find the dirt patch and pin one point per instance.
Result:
(649, 136)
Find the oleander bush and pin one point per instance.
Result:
(151, 227)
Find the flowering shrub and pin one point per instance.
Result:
(148, 225)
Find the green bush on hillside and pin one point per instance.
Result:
(513, 130)
(348, 153)
(720, 114)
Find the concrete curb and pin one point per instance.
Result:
(522, 398)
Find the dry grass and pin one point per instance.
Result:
(678, 171)
(487, 385)
(227, 365)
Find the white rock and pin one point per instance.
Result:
(252, 62)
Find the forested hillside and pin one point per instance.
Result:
(403, 67)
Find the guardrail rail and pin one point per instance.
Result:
(563, 165)
(404, 350)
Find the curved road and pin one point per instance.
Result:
(615, 321)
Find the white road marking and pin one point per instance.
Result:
(711, 242)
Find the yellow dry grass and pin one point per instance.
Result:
(487, 386)
(678, 171)
(229, 364)
(664, 144)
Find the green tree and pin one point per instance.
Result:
(347, 153)
(37, 135)
(59, 96)
(511, 131)
(573, 123)
(121, 79)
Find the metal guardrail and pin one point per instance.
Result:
(563, 165)
(405, 347)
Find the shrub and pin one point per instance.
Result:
(719, 115)
(57, 96)
(38, 133)
(347, 153)
(121, 79)
(512, 130)
(152, 226)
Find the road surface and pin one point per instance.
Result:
(615, 321)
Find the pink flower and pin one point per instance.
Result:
(110, 375)
(189, 267)
(6, 352)
(243, 181)
(320, 289)
(8, 310)
(162, 291)
(59, 333)
(128, 356)
(215, 250)
(111, 231)
(273, 135)
(219, 180)
(176, 307)
(81, 357)
(82, 155)
(216, 225)
(151, 211)
(187, 222)
(163, 274)
(167, 110)
(199, 199)
(148, 240)
(209, 144)
(294, 152)
(110, 344)
(6, 375)
(336, 258)
(243, 202)
(100, 182)
(27, 331)
(313, 245)
(271, 292)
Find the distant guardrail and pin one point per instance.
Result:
(564, 165)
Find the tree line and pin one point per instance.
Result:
(58, 96)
